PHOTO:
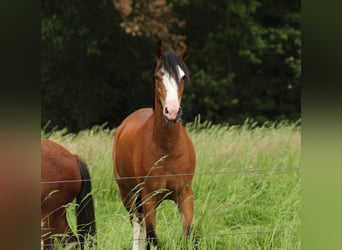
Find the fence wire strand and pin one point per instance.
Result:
(220, 235)
(249, 170)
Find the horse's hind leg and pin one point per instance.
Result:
(46, 241)
(56, 227)
(62, 228)
(185, 203)
(47, 244)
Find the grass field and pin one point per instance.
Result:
(246, 188)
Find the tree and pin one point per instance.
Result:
(150, 19)
(97, 58)
(246, 59)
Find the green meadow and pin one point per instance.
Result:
(246, 188)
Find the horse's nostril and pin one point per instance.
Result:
(166, 110)
(179, 113)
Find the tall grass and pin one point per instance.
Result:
(246, 188)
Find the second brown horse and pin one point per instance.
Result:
(153, 156)
(64, 177)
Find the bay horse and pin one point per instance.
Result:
(153, 156)
(64, 177)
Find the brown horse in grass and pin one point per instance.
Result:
(64, 176)
(153, 156)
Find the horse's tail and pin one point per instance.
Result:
(85, 206)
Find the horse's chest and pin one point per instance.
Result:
(165, 162)
(167, 172)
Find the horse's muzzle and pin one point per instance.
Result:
(174, 116)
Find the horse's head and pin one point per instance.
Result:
(170, 74)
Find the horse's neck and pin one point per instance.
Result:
(165, 133)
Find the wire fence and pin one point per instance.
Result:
(220, 235)
(248, 170)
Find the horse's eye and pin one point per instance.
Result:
(157, 78)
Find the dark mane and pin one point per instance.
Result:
(170, 60)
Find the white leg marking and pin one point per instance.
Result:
(139, 234)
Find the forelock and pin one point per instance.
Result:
(170, 62)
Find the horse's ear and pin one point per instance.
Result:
(184, 53)
(159, 49)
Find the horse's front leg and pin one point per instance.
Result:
(149, 211)
(139, 231)
(185, 203)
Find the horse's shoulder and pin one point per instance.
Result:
(133, 123)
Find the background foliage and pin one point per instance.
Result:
(97, 58)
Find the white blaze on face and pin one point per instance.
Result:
(171, 104)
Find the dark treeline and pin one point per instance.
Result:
(97, 58)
